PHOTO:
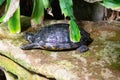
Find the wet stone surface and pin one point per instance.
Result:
(101, 62)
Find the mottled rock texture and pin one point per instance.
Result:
(101, 62)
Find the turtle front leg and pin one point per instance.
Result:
(82, 48)
(32, 46)
(28, 46)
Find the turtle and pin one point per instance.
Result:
(56, 37)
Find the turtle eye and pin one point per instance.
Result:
(30, 39)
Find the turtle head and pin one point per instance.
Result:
(29, 37)
(85, 37)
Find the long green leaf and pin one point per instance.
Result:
(46, 3)
(74, 31)
(111, 4)
(7, 5)
(38, 11)
(14, 22)
(66, 7)
(1, 2)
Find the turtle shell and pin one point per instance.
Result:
(56, 37)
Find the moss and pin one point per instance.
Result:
(17, 41)
(17, 70)
(46, 52)
(86, 54)
(65, 63)
(115, 66)
(21, 62)
(110, 54)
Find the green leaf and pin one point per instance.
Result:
(14, 22)
(74, 31)
(66, 7)
(46, 3)
(111, 3)
(6, 8)
(1, 19)
(38, 11)
(1, 2)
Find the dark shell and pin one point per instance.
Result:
(56, 37)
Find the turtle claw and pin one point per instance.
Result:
(82, 48)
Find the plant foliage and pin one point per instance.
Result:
(38, 12)
(1, 2)
(38, 9)
(113, 4)
(14, 22)
(6, 9)
(74, 31)
(67, 10)
(12, 15)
